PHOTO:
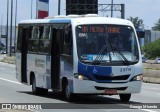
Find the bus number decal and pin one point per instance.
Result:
(125, 69)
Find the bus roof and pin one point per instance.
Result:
(79, 20)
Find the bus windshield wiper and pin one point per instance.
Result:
(99, 56)
(121, 57)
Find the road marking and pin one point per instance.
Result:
(148, 110)
(10, 81)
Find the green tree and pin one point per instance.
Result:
(136, 21)
(156, 27)
(152, 49)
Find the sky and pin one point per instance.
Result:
(147, 10)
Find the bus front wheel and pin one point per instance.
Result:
(66, 92)
(125, 97)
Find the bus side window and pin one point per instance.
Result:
(34, 40)
(19, 39)
(35, 32)
(46, 32)
(44, 42)
(67, 43)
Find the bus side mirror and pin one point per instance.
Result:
(140, 34)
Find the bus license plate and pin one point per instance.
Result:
(110, 91)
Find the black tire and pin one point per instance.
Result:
(37, 90)
(66, 92)
(125, 97)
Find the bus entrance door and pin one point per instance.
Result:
(24, 56)
(55, 58)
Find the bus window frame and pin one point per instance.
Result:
(49, 39)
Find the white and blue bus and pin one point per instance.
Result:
(79, 55)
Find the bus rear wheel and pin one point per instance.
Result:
(125, 97)
(37, 90)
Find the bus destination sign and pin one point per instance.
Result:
(100, 29)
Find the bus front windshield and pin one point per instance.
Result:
(109, 44)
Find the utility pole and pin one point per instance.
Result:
(1, 29)
(1, 25)
(31, 7)
(112, 8)
(59, 7)
(7, 28)
(11, 28)
(122, 11)
(15, 28)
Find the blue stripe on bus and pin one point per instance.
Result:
(92, 70)
(46, 1)
(60, 21)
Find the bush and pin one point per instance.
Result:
(152, 49)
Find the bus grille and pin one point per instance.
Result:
(104, 88)
(122, 77)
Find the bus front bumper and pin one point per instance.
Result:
(92, 87)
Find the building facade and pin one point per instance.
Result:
(151, 36)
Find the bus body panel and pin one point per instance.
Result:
(40, 66)
(66, 70)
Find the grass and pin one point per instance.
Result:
(151, 68)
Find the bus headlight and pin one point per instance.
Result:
(137, 78)
(80, 76)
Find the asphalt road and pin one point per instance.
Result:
(12, 91)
